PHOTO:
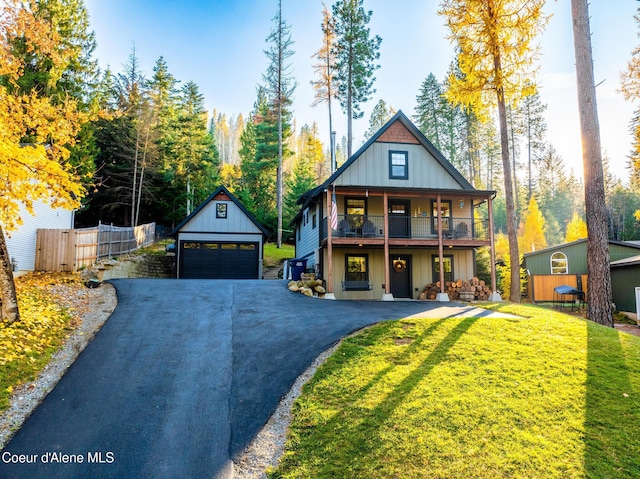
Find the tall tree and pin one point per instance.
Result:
(494, 38)
(280, 86)
(356, 54)
(379, 116)
(534, 128)
(325, 89)
(599, 288)
(630, 87)
(36, 133)
(428, 115)
(532, 237)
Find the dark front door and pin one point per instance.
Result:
(400, 275)
(399, 214)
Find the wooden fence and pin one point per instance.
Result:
(72, 249)
(541, 285)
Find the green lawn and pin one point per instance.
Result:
(273, 256)
(545, 396)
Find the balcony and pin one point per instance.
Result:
(419, 230)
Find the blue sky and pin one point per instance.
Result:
(220, 45)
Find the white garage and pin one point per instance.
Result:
(219, 240)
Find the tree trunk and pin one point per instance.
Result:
(8, 298)
(599, 308)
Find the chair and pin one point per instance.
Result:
(345, 229)
(462, 230)
(368, 229)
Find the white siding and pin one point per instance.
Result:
(372, 169)
(235, 222)
(22, 243)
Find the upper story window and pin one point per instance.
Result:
(399, 165)
(559, 263)
(356, 209)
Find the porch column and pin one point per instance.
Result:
(494, 296)
(329, 294)
(442, 295)
(387, 296)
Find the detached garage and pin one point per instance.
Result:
(219, 240)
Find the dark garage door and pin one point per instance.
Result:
(218, 260)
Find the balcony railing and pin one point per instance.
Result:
(411, 227)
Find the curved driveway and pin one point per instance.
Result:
(181, 377)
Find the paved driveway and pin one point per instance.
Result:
(181, 378)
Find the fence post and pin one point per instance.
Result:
(110, 233)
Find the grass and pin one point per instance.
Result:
(543, 396)
(273, 256)
(26, 346)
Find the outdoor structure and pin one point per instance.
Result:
(219, 240)
(566, 265)
(386, 221)
(22, 242)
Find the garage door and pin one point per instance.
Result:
(218, 260)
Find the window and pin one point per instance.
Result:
(445, 214)
(447, 261)
(559, 263)
(314, 220)
(221, 210)
(399, 165)
(356, 272)
(356, 209)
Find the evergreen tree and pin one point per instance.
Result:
(379, 116)
(280, 86)
(356, 55)
(429, 114)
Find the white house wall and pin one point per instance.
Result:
(372, 169)
(22, 243)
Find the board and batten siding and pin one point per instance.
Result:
(21, 243)
(206, 221)
(421, 269)
(372, 169)
(309, 241)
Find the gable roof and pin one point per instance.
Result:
(415, 136)
(212, 197)
(420, 139)
(630, 244)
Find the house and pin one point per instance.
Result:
(21, 243)
(383, 224)
(566, 265)
(219, 240)
(625, 278)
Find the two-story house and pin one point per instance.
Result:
(395, 217)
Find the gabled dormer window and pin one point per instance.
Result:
(398, 165)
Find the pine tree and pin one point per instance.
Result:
(356, 55)
(599, 287)
(428, 115)
(495, 38)
(379, 116)
(280, 86)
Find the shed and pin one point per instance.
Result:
(625, 277)
(566, 264)
(219, 240)
(21, 243)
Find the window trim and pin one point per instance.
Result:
(552, 259)
(435, 259)
(356, 284)
(405, 175)
(448, 219)
(355, 220)
(221, 210)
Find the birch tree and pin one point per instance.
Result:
(495, 56)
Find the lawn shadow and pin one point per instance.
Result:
(362, 437)
(612, 416)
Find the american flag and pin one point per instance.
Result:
(334, 211)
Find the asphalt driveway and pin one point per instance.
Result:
(181, 377)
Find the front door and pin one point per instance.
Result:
(400, 275)
(399, 216)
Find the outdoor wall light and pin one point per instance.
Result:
(461, 204)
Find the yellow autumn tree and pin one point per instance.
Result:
(576, 229)
(531, 237)
(35, 132)
(495, 43)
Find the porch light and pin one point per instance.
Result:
(461, 204)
